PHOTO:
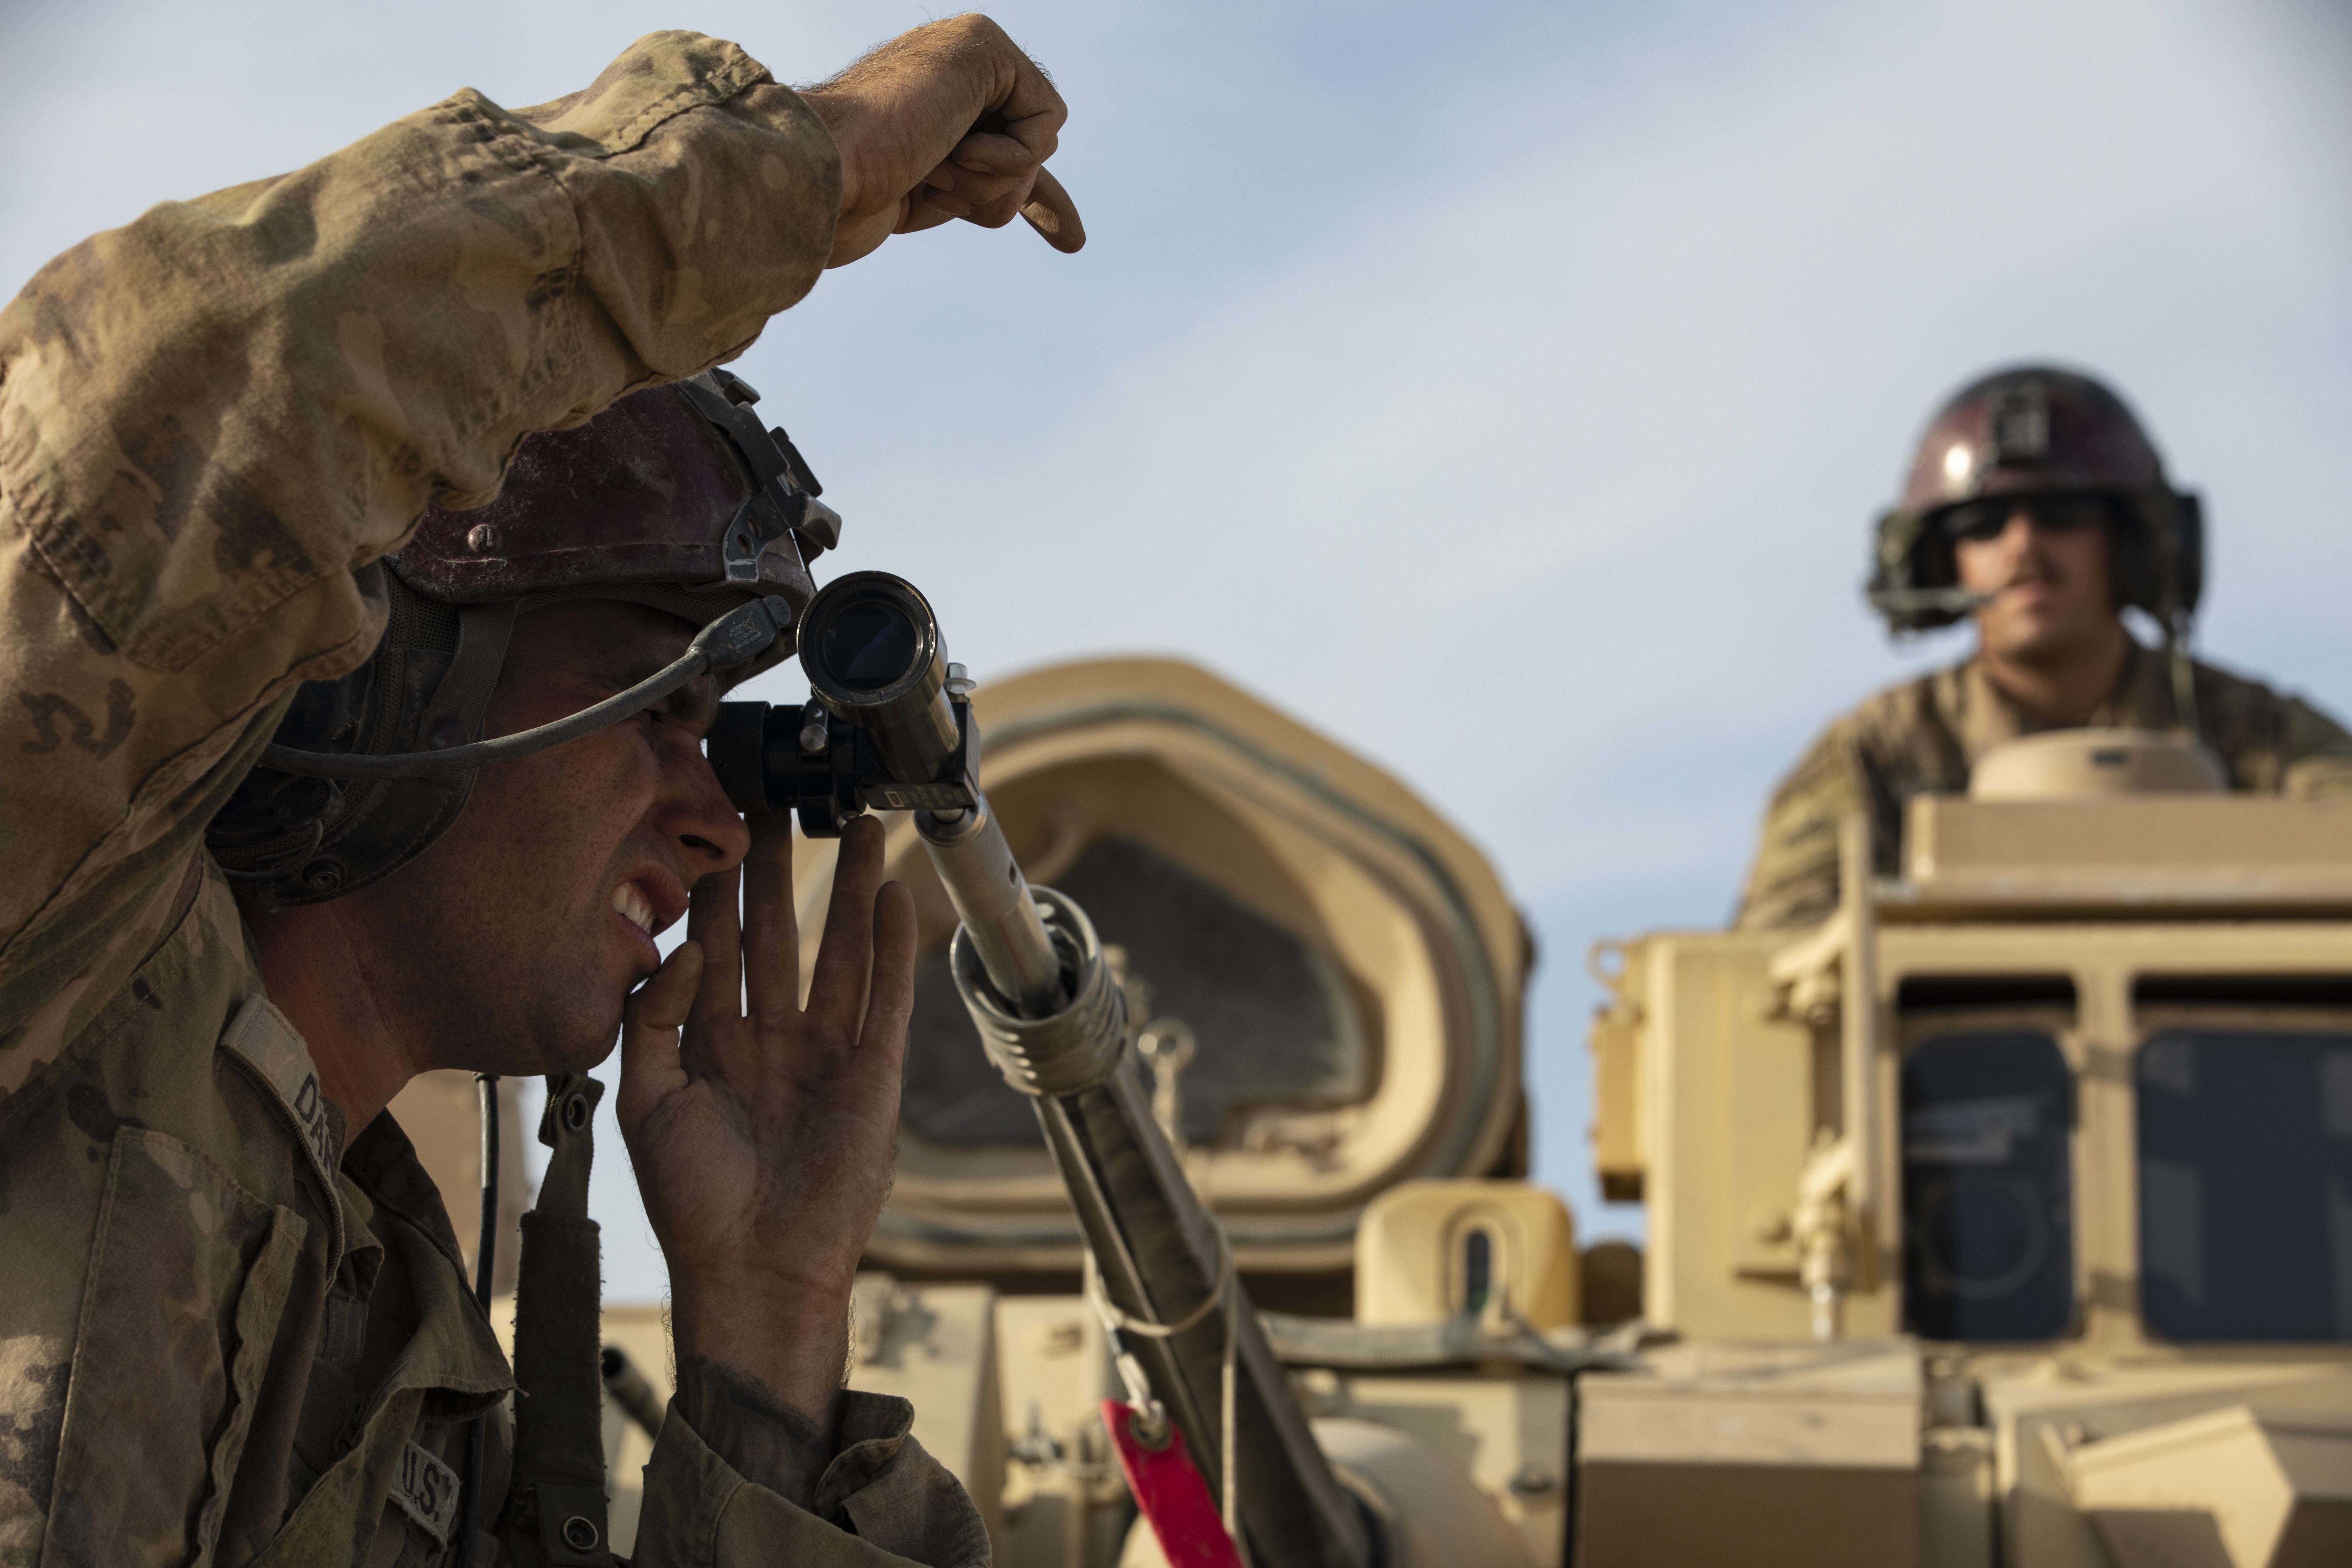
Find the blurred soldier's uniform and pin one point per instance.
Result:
(229, 1331)
(2021, 434)
(1923, 738)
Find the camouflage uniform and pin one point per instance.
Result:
(1923, 737)
(230, 1331)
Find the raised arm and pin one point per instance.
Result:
(1794, 881)
(213, 420)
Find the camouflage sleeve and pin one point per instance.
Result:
(213, 420)
(2318, 752)
(899, 1506)
(1794, 881)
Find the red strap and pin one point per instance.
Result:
(1170, 1491)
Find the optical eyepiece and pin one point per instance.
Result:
(870, 647)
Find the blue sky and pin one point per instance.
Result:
(1536, 365)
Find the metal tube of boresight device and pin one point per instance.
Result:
(984, 883)
(1162, 1256)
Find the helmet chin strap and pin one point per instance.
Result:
(742, 634)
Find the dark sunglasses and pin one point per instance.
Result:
(1984, 519)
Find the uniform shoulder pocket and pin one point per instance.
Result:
(188, 1276)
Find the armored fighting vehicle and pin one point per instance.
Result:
(2004, 1219)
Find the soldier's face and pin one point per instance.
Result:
(510, 944)
(2052, 575)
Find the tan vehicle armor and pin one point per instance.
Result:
(2001, 1219)
(2005, 1217)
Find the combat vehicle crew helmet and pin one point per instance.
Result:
(675, 497)
(2068, 448)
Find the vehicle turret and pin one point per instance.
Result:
(2003, 1216)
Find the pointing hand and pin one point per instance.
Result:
(949, 121)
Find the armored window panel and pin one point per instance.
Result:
(1988, 1194)
(2245, 1183)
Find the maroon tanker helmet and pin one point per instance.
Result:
(675, 488)
(2036, 431)
(677, 497)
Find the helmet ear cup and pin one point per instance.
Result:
(275, 821)
(287, 840)
(2159, 554)
(1911, 555)
(2185, 558)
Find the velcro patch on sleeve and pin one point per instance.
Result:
(426, 1491)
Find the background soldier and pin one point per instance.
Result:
(234, 1324)
(2036, 506)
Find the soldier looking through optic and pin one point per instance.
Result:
(420, 453)
(2037, 507)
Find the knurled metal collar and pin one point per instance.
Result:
(1076, 1048)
